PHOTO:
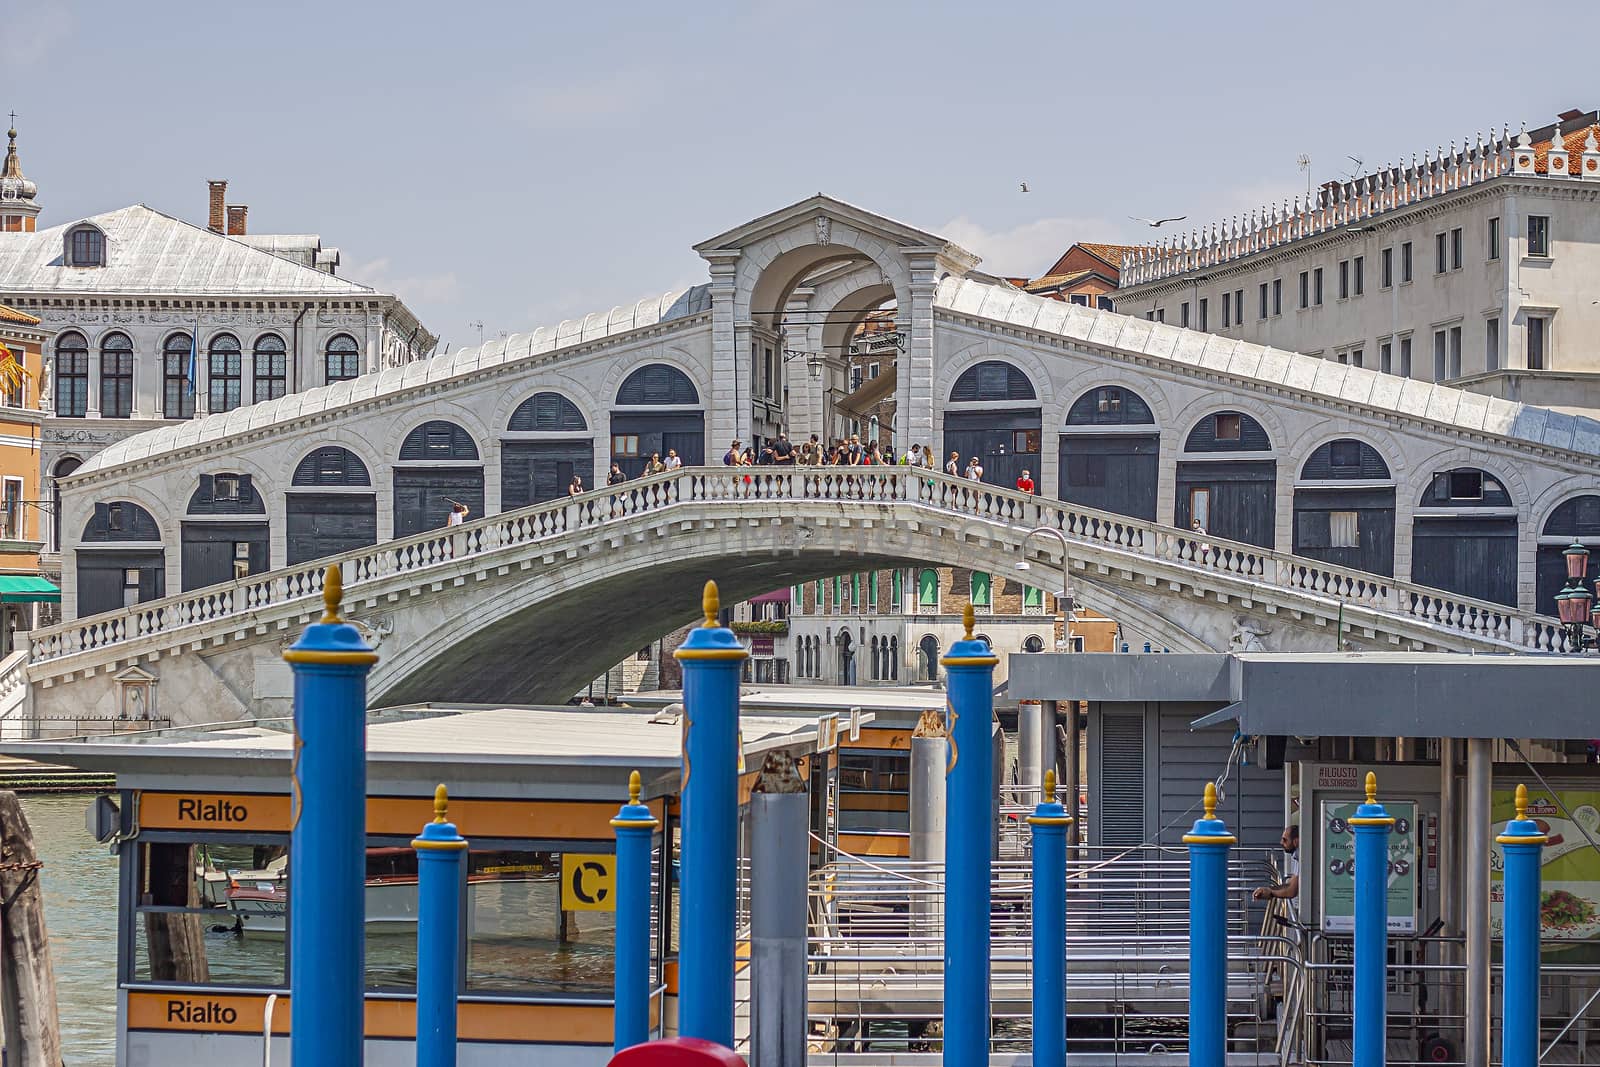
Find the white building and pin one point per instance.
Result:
(1475, 265)
(129, 293)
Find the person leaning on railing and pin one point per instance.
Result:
(1289, 888)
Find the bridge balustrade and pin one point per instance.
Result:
(203, 612)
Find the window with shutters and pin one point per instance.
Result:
(895, 594)
(657, 383)
(1228, 426)
(331, 466)
(438, 440)
(1110, 405)
(980, 589)
(1311, 529)
(116, 377)
(928, 589)
(1122, 779)
(991, 380)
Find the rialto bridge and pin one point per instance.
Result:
(1434, 516)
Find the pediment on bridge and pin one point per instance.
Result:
(818, 216)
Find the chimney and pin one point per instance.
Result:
(236, 216)
(219, 194)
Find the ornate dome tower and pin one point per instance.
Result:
(17, 209)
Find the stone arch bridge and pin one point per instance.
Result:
(530, 604)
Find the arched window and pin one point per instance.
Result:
(225, 365)
(86, 247)
(270, 367)
(226, 494)
(1110, 405)
(894, 659)
(177, 391)
(63, 468)
(877, 662)
(1032, 643)
(928, 659)
(120, 520)
(72, 375)
(438, 440)
(343, 359)
(657, 383)
(1228, 431)
(331, 465)
(547, 411)
(928, 589)
(1345, 459)
(116, 376)
(993, 379)
(1465, 487)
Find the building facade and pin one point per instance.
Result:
(1474, 266)
(26, 599)
(157, 319)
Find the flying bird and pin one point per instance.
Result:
(1158, 223)
(1024, 186)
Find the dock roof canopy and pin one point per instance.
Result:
(1348, 694)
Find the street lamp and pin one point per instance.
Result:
(1064, 596)
(1575, 604)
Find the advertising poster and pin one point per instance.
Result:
(1570, 874)
(1337, 873)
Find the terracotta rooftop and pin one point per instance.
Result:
(1050, 281)
(1112, 254)
(20, 318)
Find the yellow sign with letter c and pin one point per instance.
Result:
(588, 882)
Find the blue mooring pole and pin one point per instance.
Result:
(711, 658)
(327, 846)
(1049, 822)
(1371, 824)
(1209, 843)
(969, 833)
(1522, 842)
(440, 855)
(635, 827)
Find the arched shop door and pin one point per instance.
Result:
(993, 414)
(1464, 537)
(534, 469)
(1225, 482)
(438, 468)
(1110, 453)
(657, 410)
(1344, 508)
(331, 507)
(121, 560)
(1577, 519)
(225, 531)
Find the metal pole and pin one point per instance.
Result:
(441, 853)
(780, 814)
(1449, 876)
(327, 849)
(1475, 858)
(1522, 844)
(711, 658)
(969, 817)
(1049, 822)
(930, 753)
(1073, 772)
(635, 827)
(1030, 750)
(1209, 843)
(1372, 825)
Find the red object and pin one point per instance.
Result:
(678, 1052)
(1025, 484)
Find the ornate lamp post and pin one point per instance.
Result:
(1575, 604)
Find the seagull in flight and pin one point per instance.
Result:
(1024, 186)
(1157, 223)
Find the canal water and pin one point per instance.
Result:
(80, 895)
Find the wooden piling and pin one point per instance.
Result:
(176, 940)
(32, 1029)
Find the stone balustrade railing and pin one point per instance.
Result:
(14, 683)
(1102, 537)
(1350, 202)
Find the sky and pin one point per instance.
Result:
(516, 164)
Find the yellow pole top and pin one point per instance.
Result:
(441, 803)
(1049, 785)
(711, 603)
(1210, 800)
(1372, 788)
(969, 619)
(1522, 802)
(332, 593)
(634, 788)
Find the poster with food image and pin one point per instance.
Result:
(1569, 909)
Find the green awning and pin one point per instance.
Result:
(28, 589)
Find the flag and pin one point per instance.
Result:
(194, 358)
(12, 372)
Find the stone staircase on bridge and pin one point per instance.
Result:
(817, 516)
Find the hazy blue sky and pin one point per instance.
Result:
(520, 163)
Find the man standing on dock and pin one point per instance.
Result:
(1289, 888)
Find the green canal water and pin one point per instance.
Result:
(80, 906)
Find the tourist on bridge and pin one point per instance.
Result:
(912, 458)
(1025, 483)
(783, 451)
(615, 476)
(655, 466)
(953, 468)
(731, 457)
(974, 469)
(673, 460)
(458, 514)
(575, 488)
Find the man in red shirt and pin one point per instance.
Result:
(1025, 483)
